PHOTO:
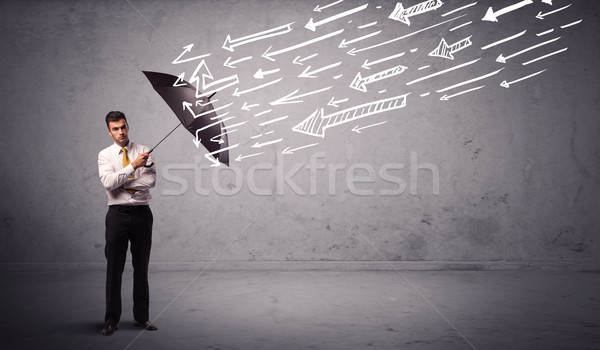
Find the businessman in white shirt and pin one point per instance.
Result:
(127, 180)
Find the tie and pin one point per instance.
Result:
(126, 162)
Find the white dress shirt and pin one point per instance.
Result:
(116, 179)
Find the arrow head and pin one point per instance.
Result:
(358, 83)
(310, 25)
(539, 15)
(259, 74)
(505, 84)
(296, 61)
(196, 142)
(245, 106)
(352, 52)
(501, 59)
(236, 93)
(490, 16)
(442, 50)
(227, 64)
(343, 44)
(186, 105)
(356, 129)
(227, 43)
(444, 98)
(238, 158)
(365, 65)
(306, 74)
(287, 151)
(317, 9)
(256, 145)
(266, 54)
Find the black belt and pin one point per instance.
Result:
(129, 208)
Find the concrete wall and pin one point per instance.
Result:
(518, 168)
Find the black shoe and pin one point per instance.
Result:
(147, 325)
(109, 329)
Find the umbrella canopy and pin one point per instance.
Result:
(196, 114)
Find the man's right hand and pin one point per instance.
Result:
(140, 160)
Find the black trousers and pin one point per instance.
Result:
(126, 224)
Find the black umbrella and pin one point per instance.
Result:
(204, 123)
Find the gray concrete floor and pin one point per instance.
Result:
(309, 310)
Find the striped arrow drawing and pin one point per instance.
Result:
(401, 14)
(492, 16)
(229, 43)
(318, 122)
(359, 83)
(445, 51)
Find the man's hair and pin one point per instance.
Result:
(114, 116)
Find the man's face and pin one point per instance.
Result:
(118, 130)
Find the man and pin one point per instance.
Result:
(127, 180)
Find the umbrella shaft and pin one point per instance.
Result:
(164, 138)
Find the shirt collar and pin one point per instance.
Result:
(117, 149)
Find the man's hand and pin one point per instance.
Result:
(140, 160)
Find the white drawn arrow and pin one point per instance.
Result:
(186, 50)
(503, 59)
(470, 80)
(231, 64)
(188, 105)
(541, 15)
(318, 8)
(238, 93)
(206, 85)
(317, 122)
(359, 83)
(216, 161)
(492, 16)
(356, 129)
(313, 25)
(311, 74)
(179, 81)
(448, 97)
(299, 60)
(260, 74)
(287, 150)
(503, 40)
(247, 107)
(345, 42)
(445, 51)
(220, 140)
(507, 84)
(269, 55)
(229, 43)
(334, 103)
(401, 14)
(368, 64)
(293, 98)
(259, 145)
(354, 51)
(240, 157)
